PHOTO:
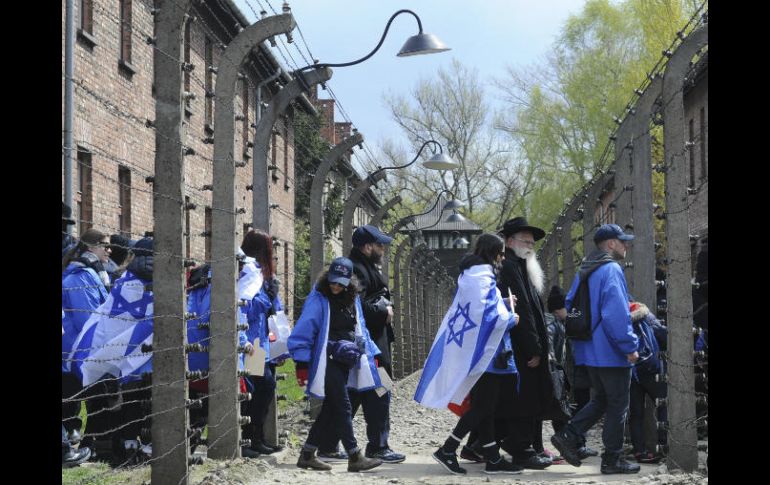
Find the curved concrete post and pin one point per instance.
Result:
(398, 310)
(377, 221)
(567, 246)
(411, 280)
(224, 430)
(260, 193)
(589, 224)
(683, 452)
(169, 390)
(350, 208)
(548, 256)
(316, 201)
(641, 283)
(380, 214)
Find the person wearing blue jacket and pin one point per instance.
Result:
(608, 355)
(333, 351)
(259, 286)
(83, 290)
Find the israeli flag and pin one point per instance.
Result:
(466, 341)
(111, 340)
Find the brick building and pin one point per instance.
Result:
(114, 140)
(343, 173)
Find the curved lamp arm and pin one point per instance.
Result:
(412, 216)
(382, 39)
(440, 149)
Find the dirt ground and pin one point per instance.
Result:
(417, 431)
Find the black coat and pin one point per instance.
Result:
(529, 338)
(372, 282)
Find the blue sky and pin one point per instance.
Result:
(486, 35)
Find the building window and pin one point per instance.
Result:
(187, 100)
(85, 202)
(207, 228)
(124, 198)
(208, 111)
(245, 117)
(87, 16)
(187, 230)
(274, 155)
(286, 153)
(125, 31)
(691, 151)
(703, 167)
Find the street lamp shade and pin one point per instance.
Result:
(455, 217)
(422, 44)
(441, 161)
(453, 205)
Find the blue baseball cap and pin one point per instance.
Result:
(340, 271)
(611, 231)
(369, 234)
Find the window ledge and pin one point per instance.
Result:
(127, 67)
(87, 38)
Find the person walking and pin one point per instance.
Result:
(477, 319)
(84, 289)
(608, 354)
(523, 276)
(332, 349)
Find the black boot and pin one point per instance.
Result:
(307, 459)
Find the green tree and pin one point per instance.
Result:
(451, 108)
(562, 111)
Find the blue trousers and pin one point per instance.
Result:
(376, 415)
(610, 398)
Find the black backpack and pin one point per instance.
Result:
(578, 322)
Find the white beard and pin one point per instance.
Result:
(534, 270)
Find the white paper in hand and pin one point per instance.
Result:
(387, 384)
(255, 364)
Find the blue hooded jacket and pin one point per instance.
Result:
(613, 336)
(199, 302)
(307, 342)
(82, 289)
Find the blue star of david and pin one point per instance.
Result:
(137, 309)
(457, 335)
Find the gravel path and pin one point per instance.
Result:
(417, 431)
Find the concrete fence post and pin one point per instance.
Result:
(169, 389)
(682, 435)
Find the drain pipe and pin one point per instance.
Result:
(69, 42)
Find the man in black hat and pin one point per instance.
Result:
(67, 241)
(367, 252)
(522, 276)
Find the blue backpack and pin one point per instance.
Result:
(648, 363)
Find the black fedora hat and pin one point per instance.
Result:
(518, 224)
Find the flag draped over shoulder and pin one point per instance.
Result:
(466, 341)
(111, 340)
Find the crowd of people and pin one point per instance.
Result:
(502, 360)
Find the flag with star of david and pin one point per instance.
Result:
(110, 344)
(466, 341)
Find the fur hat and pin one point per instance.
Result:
(556, 298)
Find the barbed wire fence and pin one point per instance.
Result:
(622, 193)
(108, 400)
